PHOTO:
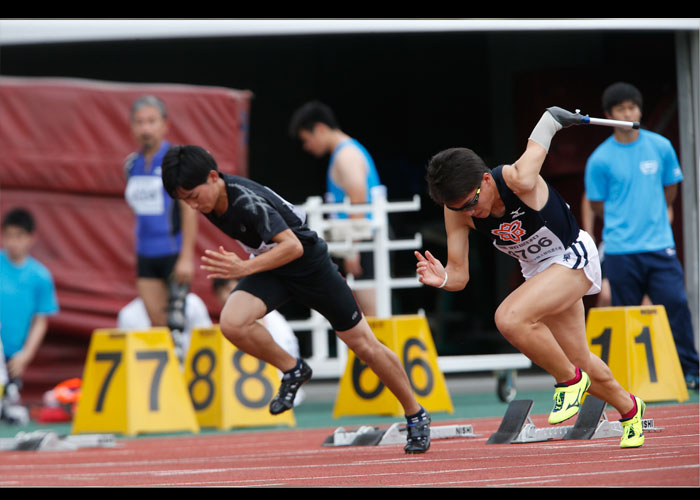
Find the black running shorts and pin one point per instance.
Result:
(156, 267)
(321, 288)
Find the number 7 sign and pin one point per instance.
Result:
(132, 384)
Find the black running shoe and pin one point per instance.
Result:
(418, 438)
(291, 382)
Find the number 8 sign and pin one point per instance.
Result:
(229, 388)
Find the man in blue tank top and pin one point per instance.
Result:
(166, 229)
(631, 181)
(351, 174)
(544, 318)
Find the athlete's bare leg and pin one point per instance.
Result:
(239, 323)
(382, 361)
(544, 319)
(570, 333)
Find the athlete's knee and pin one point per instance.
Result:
(510, 320)
(364, 346)
(235, 327)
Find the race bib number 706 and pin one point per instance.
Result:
(535, 248)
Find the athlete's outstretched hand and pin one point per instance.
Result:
(430, 270)
(223, 264)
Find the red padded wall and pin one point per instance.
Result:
(63, 143)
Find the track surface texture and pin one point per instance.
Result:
(296, 459)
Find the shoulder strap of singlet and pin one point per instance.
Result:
(340, 146)
(129, 164)
(503, 189)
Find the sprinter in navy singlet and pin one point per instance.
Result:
(527, 219)
(526, 234)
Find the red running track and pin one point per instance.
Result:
(297, 459)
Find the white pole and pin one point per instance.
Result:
(382, 269)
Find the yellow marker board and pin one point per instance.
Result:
(638, 346)
(229, 388)
(362, 393)
(132, 384)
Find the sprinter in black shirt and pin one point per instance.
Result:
(289, 261)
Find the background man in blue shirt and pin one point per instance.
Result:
(632, 180)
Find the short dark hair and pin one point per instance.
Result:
(186, 167)
(620, 92)
(453, 173)
(308, 115)
(19, 217)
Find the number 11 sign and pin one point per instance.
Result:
(637, 344)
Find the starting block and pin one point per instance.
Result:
(396, 434)
(591, 423)
(51, 441)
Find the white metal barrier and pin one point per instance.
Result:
(341, 235)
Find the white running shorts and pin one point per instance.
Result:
(582, 254)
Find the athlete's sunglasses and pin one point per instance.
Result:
(467, 205)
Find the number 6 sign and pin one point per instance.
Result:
(362, 393)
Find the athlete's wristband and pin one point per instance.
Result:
(444, 282)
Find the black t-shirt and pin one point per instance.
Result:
(256, 214)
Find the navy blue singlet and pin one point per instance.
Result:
(526, 234)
